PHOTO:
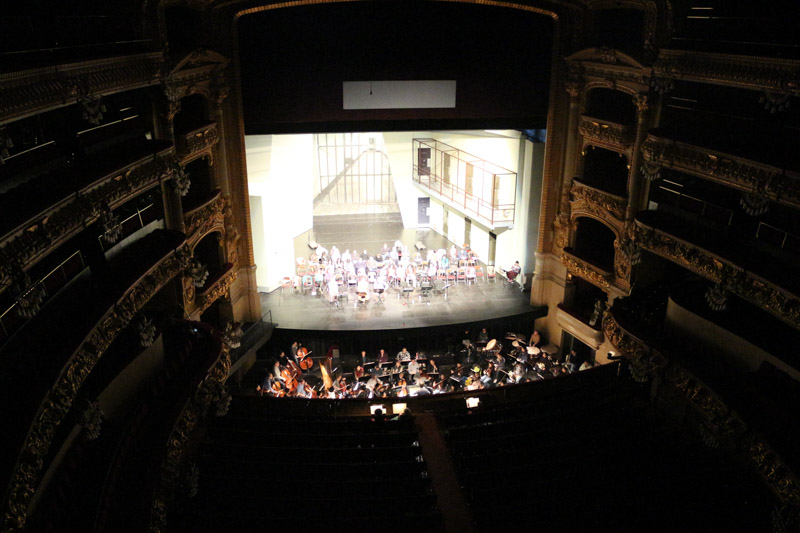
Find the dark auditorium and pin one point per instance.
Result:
(411, 265)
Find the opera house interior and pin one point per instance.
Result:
(463, 265)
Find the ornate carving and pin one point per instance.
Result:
(563, 227)
(201, 220)
(203, 72)
(730, 170)
(721, 426)
(217, 290)
(26, 246)
(56, 405)
(197, 142)
(605, 133)
(749, 72)
(597, 203)
(765, 294)
(584, 270)
(33, 91)
(210, 391)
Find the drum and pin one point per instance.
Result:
(533, 350)
(515, 344)
(490, 345)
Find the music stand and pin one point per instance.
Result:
(407, 291)
(425, 293)
(447, 286)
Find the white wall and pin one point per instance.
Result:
(281, 171)
(502, 148)
(398, 149)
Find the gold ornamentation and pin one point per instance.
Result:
(778, 301)
(740, 173)
(587, 271)
(200, 221)
(600, 204)
(24, 248)
(197, 142)
(210, 391)
(217, 290)
(749, 72)
(33, 91)
(605, 133)
(58, 402)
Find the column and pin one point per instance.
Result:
(642, 103)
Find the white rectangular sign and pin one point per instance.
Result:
(405, 94)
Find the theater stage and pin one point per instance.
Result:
(463, 303)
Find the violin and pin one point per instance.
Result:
(305, 361)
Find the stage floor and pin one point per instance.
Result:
(463, 303)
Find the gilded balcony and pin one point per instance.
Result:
(207, 215)
(744, 71)
(196, 143)
(736, 171)
(605, 133)
(594, 202)
(41, 214)
(763, 280)
(215, 288)
(582, 268)
(52, 356)
(29, 91)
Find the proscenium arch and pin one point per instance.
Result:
(558, 11)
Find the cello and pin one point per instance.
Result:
(303, 357)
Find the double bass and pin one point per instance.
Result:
(303, 357)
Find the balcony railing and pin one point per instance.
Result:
(605, 133)
(215, 288)
(586, 270)
(12, 320)
(471, 184)
(758, 278)
(597, 202)
(746, 175)
(200, 140)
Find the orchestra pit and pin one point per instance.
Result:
(400, 266)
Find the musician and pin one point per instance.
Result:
(303, 390)
(346, 257)
(397, 369)
(282, 359)
(514, 271)
(358, 372)
(384, 249)
(341, 387)
(294, 348)
(265, 385)
(403, 355)
(380, 287)
(536, 339)
(483, 336)
(499, 361)
(571, 361)
(519, 373)
(413, 368)
(383, 357)
(586, 365)
(333, 292)
(372, 383)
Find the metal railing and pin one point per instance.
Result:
(105, 246)
(4, 317)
